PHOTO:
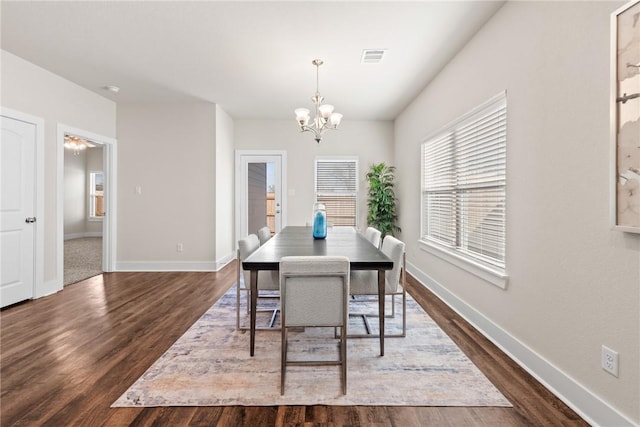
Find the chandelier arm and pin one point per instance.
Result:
(320, 124)
(316, 131)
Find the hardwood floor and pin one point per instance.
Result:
(65, 358)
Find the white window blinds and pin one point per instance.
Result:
(337, 188)
(464, 183)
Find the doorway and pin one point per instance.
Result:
(83, 209)
(97, 204)
(260, 201)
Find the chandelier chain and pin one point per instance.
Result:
(325, 118)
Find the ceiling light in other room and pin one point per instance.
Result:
(324, 119)
(111, 88)
(75, 143)
(372, 56)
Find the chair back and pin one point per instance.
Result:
(314, 290)
(264, 234)
(267, 280)
(394, 249)
(246, 247)
(373, 235)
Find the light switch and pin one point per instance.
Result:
(138, 190)
(292, 192)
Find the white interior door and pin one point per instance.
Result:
(260, 179)
(17, 211)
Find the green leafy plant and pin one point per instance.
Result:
(382, 199)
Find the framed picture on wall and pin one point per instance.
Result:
(625, 117)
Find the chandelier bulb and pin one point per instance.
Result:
(325, 118)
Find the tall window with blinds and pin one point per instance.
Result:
(464, 185)
(336, 186)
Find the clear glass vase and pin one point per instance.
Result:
(319, 221)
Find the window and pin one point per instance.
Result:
(96, 195)
(463, 187)
(337, 189)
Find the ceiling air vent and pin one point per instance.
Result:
(372, 56)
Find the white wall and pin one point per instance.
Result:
(75, 194)
(224, 187)
(33, 90)
(168, 150)
(371, 141)
(95, 157)
(76, 175)
(574, 283)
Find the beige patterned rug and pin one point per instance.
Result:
(210, 366)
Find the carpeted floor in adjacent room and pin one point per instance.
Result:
(82, 259)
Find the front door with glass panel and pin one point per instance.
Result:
(259, 192)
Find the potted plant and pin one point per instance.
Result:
(382, 199)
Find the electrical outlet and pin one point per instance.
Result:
(610, 361)
(179, 247)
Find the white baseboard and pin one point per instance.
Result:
(166, 266)
(586, 404)
(81, 235)
(48, 288)
(220, 263)
(174, 265)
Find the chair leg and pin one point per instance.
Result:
(343, 357)
(404, 311)
(283, 358)
(365, 319)
(238, 306)
(238, 290)
(273, 318)
(393, 305)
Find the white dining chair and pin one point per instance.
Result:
(365, 282)
(373, 235)
(314, 292)
(267, 280)
(264, 234)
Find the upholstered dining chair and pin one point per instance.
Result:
(365, 282)
(373, 235)
(314, 292)
(264, 234)
(267, 280)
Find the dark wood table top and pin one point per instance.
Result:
(342, 241)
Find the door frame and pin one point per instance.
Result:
(38, 255)
(109, 227)
(240, 154)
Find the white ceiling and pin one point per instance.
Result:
(251, 58)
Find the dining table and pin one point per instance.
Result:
(299, 240)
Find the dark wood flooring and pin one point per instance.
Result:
(65, 358)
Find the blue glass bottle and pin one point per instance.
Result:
(319, 221)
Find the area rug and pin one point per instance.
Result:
(210, 366)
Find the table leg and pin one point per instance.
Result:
(381, 295)
(254, 304)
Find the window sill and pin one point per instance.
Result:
(493, 276)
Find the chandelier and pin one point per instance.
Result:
(324, 119)
(74, 143)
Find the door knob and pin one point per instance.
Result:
(30, 219)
